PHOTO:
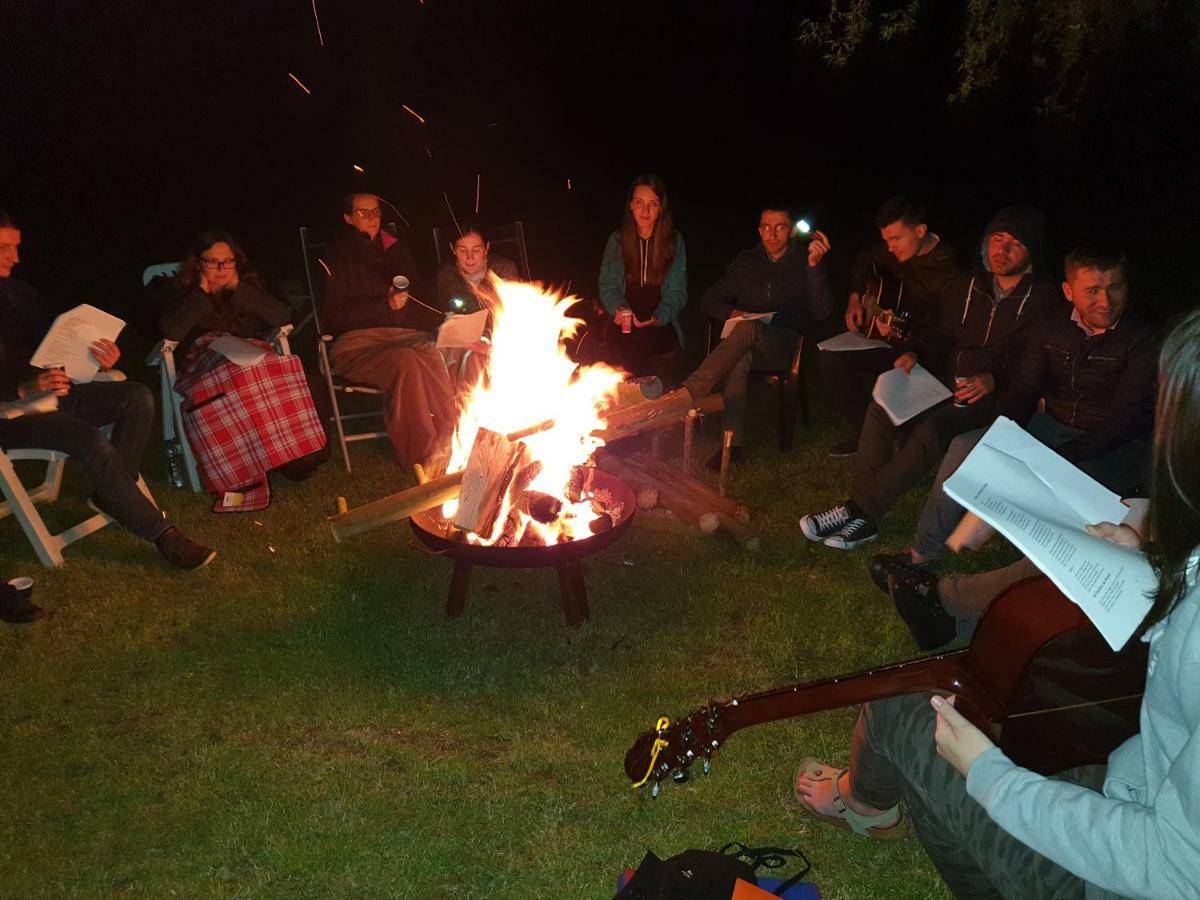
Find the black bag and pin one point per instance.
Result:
(706, 874)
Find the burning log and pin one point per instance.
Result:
(683, 504)
(698, 489)
(490, 470)
(580, 483)
(542, 507)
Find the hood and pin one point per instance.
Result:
(1025, 223)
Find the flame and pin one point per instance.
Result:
(529, 380)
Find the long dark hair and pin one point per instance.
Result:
(189, 270)
(1174, 514)
(662, 239)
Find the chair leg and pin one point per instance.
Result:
(327, 371)
(45, 545)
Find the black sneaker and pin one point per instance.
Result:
(884, 564)
(859, 530)
(16, 607)
(736, 455)
(915, 596)
(822, 525)
(181, 551)
(847, 447)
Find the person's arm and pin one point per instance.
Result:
(1026, 380)
(820, 291)
(181, 312)
(674, 286)
(612, 276)
(1131, 406)
(250, 298)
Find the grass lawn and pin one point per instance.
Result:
(301, 719)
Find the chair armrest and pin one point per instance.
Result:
(327, 339)
(159, 350)
(285, 330)
(45, 402)
(111, 375)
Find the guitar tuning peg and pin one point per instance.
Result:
(654, 791)
(707, 765)
(679, 776)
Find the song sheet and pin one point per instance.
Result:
(1042, 503)
(851, 340)
(462, 331)
(66, 343)
(904, 395)
(733, 321)
(238, 351)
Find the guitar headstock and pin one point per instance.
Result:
(671, 748)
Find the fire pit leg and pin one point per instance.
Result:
(574, 594)
(459, 582)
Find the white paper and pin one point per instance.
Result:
(733, 322)
(1016, 483)
(904, 395)
(851, 340)
(462, 331)
(66, 343)
(238, 351)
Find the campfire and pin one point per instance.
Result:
(536, 489)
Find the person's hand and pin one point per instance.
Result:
(55, 380)
(481, 346)
(974, 388)
(105, 353)
(645, 323)
(1121, 535)
(204, 283)
(958, 741)
(885, 330)
(854, 313)
(397, 299)
(905, 361)
(817, 247)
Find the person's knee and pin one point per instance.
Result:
(137, 399)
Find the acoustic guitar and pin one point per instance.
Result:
(1038, 679)
(881, 302)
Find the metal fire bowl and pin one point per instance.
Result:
(430, 529)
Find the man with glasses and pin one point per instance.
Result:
(382, 336)
(781, 276)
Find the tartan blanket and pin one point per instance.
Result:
(243, 421)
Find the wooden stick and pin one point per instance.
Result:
(692, 486)
(689, 435)
(419, 471)
(667, 409)
(726, 450)
(686, 506)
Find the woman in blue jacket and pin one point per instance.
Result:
(643, 284)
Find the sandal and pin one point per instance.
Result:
(889, 825)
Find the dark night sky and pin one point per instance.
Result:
(125, 127)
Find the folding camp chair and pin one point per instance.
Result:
(315, 246)
(175, 442)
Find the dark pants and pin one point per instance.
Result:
(849, 378)
(884, 471)
(112, 465)
(751, 346)
(966, 596)
(1120, 470)
(893, 758)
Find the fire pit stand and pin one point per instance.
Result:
(564, 558)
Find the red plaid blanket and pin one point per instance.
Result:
(241, 422)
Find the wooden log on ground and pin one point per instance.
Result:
(681, 503)
(666, 410)
(662, 519)
(676, 479)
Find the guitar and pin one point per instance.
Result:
(881, 301)
(1038, 679)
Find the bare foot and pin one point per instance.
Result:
(818, 794)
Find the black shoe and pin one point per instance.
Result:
(859, 530)
(915, 595)
(181, 551)
(884, 564)
(16, 607)
(847, 447)
(735, 456)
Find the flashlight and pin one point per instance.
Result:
(802, 227)
(457, 302)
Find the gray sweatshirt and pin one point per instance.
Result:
(1141, 836)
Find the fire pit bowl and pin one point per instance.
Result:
(433, 531)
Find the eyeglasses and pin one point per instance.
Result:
(218, 263)
(767, 229)
(368, 213)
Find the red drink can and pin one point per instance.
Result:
(958, 382)
(625, 316)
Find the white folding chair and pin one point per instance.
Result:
(175, 442)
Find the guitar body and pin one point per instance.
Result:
(1038, 679)
(883, 295)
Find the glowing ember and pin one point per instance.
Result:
(531, 380)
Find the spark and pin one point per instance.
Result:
(412, 112)
(457, 227)
(303, 86)
(317, 19)
(428, 152)
(325, 266)
(568, 184)
(396, 208)
(359, 169)
(477, 193)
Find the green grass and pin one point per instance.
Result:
(306, 722)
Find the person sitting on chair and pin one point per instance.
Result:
(1002, 830)
(910, 272)
(216, 293)
(382, 336)
(778, 275)
(1001, 304)
(643, 284)
(112, 466)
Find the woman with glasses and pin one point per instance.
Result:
(643, 284)
(245, 416)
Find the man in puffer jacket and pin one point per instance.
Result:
(1000, 304)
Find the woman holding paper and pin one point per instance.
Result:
(234, 388)
(1003, 830)
(643, 284)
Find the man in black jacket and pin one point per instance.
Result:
(1094, 363)
(83, 409)
(911, 271)
(999, 304)
(779, 276)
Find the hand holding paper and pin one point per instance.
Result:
(462, 331)
(739, 317)
(69, 341)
